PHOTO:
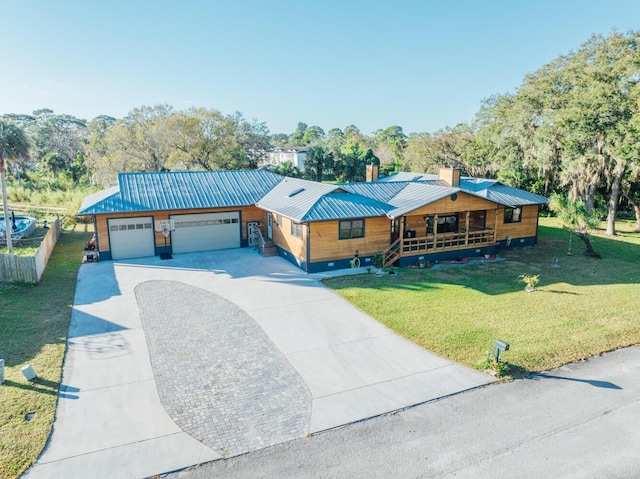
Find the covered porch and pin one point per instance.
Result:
(417, 235)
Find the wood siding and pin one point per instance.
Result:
(248, 213)
(526, 228)
(282, 237)
(463, 203)
(325, 245)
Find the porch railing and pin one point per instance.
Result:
(257, 237)
(437, 242)
(442, 241)
(391, 254)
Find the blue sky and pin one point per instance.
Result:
(422, 65)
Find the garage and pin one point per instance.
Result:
(131, 237)
(205, 231)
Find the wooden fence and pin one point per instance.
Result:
(29, 269)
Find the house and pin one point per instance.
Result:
(317, 226)
(296, 155)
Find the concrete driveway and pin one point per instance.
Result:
(209, 355)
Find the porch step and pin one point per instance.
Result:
(269, 249)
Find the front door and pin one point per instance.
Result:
(395, 230)
(253, 237)
(269, 226)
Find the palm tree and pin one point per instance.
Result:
(318, 159)
(576, 218)
(13, 144)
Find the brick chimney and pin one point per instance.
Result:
(372, 172)
(451, 176)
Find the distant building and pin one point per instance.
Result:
(296, 155)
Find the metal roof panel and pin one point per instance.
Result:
(341, 205)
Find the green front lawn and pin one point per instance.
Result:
(34, 320)
(581, 309)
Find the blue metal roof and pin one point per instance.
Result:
(509, 196)
(303, 201)
(383, 191)
(182, 190)
(407, 176)
(294, 198)
(340, 205)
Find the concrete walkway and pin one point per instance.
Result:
(112, 421)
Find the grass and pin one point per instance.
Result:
(581, 309)
(34, 320)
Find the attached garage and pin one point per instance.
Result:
(206, 231)
(131, 237)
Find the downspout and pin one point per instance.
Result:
(95, 232)
(535, 241)
(308, 255)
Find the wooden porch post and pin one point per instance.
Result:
(495, 225)
(466, 231)
(401, 236)
(435, 231)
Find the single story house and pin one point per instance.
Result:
(407, 216)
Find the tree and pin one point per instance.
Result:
(352, 161)
(204, 138)
(13, 144)
(394, 140)
(318, 159)
(575, 218)
(142, 140)
(253, 138)
(279, 139)
(297, 137)
(96, 150)
(313, 134)
(59, 142)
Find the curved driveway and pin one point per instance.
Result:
(132, 405)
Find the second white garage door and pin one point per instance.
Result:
(207, 231)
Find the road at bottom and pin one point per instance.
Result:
(581, 420)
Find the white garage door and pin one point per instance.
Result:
(207, 231)
(131, 237)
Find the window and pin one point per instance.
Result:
(446, 224)
(296, 230)
(351, 229)
(512, 215)
(279, 220)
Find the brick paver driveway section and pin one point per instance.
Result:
(219, 376)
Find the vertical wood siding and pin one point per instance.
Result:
(325, 245)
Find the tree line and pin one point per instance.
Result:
(571, 127)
